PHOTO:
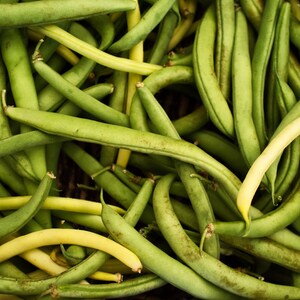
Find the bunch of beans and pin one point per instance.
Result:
(183, 119)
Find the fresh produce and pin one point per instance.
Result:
(150, 148)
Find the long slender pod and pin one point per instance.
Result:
(17, 63)
(242, 93)
(49, 97)
(139, 32)
(205, 77)
(165, 266)
(95, 54)
(260, 59)
(77, 96)
(224, 44)
(205, 265)
(261, 165)
(47, 12)
(193, 186)
(107, 134)
(16, 220)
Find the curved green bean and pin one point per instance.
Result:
(139, 32)
(205, 77)
(242, 93)
(16, 220)
(194, 187)
(208, 267)
(166, 267)
(113, 135)
(102, 58)
(260, 61)
(77, 96)
(49, 97)
(268, 224)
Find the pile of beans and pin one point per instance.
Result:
(182, 116)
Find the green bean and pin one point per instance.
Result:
(148, 164)
(105, 27)
(27, 140)
(90, 165)
(294, 31)
(121, 173)
(205, 265)
(221, 148)
(14, 221)
(155, 82)
(224, 44)
(242, 94)
(191, 122)
(77, 96)
(268, 224)
(56, 62)
(278, 68)
(180, 59)
(18, 161)
(193, 186)
(260, 61)
(38, 13)
(165, 31)
(294, 74)
(17, 63)
(50, 46)
(50, 98)
(117, 99)
(205, 78)
(93, 222)
(98, 91)
(11, 179)
(95, 54)
(107, 134)
(141, 30)
(253, 9)
(266, 249)
(166, 267)
(129, 287)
